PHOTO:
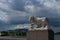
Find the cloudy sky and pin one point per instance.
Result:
(18, 11)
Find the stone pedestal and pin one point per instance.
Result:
(47, 34)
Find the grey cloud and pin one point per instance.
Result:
(34, 8)
(19, 10)
(18, 5)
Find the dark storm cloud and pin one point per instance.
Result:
(18, 5)
(17, 11)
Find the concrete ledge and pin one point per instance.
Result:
(40, 35)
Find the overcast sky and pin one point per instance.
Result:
(18, 11)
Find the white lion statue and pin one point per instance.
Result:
(40, 22)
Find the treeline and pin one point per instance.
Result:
(58, 33)
(14, 33)
(4, 33)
